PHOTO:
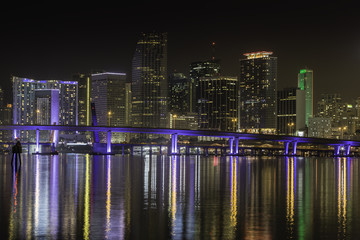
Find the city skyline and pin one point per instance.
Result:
(57, 43)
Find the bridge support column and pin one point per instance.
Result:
(174, 143)
(108, 142)
(286, 148)
(231, 143)
(37, 140)
(347, 149)
(336, 150)
(294, 144)
(236, 150)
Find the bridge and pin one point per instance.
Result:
(233, 137)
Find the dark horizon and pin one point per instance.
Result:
(59, 42)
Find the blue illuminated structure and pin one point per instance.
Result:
(232, 136)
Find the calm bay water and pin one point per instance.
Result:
(76, 196)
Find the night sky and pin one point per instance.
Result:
(64, 39)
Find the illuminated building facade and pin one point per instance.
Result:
(179, 93)
(149, 81)
(108, 92)
(305, 83)
(24, 108)
(185, 121)
(301, 129)
(258, 87)
(47, 110)
(218, 105)
(286, 111)
(47, 106)
(319, 127)
(208, 68)
(84, 88)
(331, 106)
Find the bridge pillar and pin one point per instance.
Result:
(231, 143)
(108, 142)
(174, 143)
(286, 148)
(294, 144)
(347, 149)
(236, 150)
(336, 150)
(37, 140)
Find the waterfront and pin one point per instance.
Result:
(78, 196)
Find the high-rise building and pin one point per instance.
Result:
(179, 93)
(108, 92)
(286, 111)
(218, 105)
(305, 83)
(319, 127)
(47, 106)
(47, 111)
(208, 68)
(300, 125)
(331, 106)
(149, 81)
(258, 88)
(1, 106)
(84, 116)
(24, 108)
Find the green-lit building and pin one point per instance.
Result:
(305, 83)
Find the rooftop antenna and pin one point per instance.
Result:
(213, 50)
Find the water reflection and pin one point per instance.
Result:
(290, 195)
(179, 197)
(343, 167)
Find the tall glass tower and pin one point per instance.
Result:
(149, 81)
(208, 68)
(305, 83)
(217, 104)
(109, 93)
(258, 87)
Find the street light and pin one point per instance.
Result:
(37, 116)
(234, 120)
(342, 131)
(109, 117)
(290, 126)
(174, 119)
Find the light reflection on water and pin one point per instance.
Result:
(79, 196)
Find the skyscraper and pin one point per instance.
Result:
(47, 111)
(208, 68)
(305, 83)
(84, 117)
(258, 87)
(108, 92)
(179, 93)
(331, 106)
(286, 111)
(149, 81)
(24, 108)
(218, 105)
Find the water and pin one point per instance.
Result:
(75, 196)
